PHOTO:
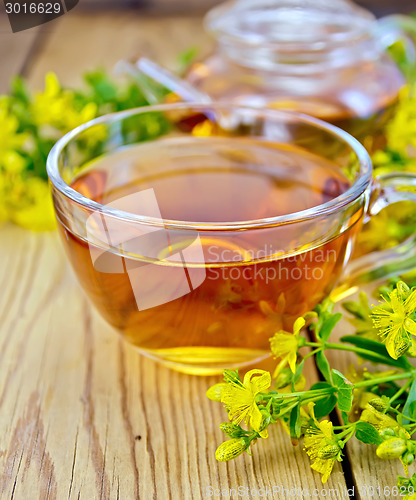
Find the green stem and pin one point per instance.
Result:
(410, 427)
(313, 399)
(309, 394)
(349, 348)
(404, 416)
(313, 344)
(382, 380)
(356, 350)
(289, 408)
(312, 353)
(351, 433)
(346, 432)
(401, 391)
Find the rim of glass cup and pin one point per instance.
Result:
(357, 188)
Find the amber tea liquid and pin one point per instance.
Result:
(253, 286)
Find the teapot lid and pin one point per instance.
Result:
(316, 23)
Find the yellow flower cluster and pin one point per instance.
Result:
(395, 223)
(401, 130)
(394, 319)
(284, 345)
(55, 107)
(322, 446)
(24, 200)
(27, 137)
(240, 399)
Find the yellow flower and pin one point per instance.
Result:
(203, 129)
(10, 138)
(240, 399)
(30, 205)
(52, 106)
(322, 447)
(393, 319)
(56, 107)
(214, 392)
(401, 130)
(12, 162)
(379, 420)
(284, 345)
(91, 135)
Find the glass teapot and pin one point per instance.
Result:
(325, 58)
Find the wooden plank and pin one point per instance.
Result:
(172, 6)
(87, 41)
(15, 49)
(84, 416)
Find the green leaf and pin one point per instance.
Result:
(298, 372)
(320, 385)
(323, 365)
(328, 325)
(400, 419)
(19, 89)
(104, 89)
(345, 388)
(367, 434)
(412, 410)
(353, 308)
(411, 398)
(324, 406)
(344, 416)
(187, 57)
(377, 348)
(295, 422)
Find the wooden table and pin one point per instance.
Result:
(82, 415)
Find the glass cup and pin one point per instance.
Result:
(200, 230)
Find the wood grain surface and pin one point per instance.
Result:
(82, 414)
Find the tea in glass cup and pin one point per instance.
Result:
(198, 231)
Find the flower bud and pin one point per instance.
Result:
(392, 448)
(403, 290)
(265, 413)
(232, 430)
(408, 458)
(377, 419)
(231, 449)
(411, 446)
(403, 434)
(284, 378)
(214, 392)
(401, 345)
(329, 451)
(411, 351)
(387, 433)
(403, 483)
(379, 404)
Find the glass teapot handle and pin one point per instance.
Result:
(399, 28)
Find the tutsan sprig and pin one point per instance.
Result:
(378, 407)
